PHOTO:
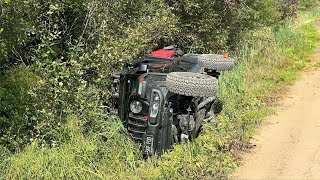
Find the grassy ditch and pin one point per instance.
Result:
(268, 60)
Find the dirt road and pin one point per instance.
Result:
(288, 146)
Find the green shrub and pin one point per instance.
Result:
(307, 4)
(16, 106)
(218, 25)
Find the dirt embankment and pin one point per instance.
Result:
(288, 146)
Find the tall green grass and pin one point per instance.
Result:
(105, 154)
(268, 60)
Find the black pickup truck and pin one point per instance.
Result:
(165, 98)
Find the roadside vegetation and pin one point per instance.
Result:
(57, 57)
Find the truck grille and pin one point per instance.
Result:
(136, 127)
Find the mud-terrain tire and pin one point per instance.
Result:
(216, 62)
(192, 84)
(213, 61)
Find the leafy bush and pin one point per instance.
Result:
(218, 25)
(16, 106)
(307, 4)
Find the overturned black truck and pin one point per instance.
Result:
(165, 98)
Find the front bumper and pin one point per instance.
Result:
(158, 137)
(153, 133)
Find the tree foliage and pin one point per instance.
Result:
(218, 25)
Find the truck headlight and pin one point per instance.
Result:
(155, 104)
(136, 107)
